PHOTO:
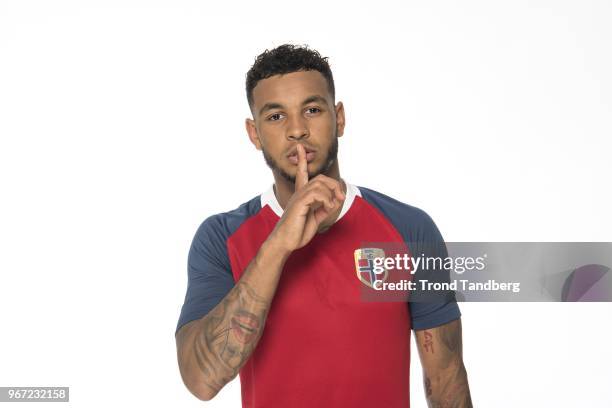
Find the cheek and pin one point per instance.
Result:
(323, 127)
(272, 144)
(323, 135)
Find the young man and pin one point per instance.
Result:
(273, 292)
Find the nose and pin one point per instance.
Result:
(297, 129)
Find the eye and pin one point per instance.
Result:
(316, 110)
(274, 117)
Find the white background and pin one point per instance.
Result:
(122, 128)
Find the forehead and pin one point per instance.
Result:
(290, 88)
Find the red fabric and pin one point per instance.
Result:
(322, 345)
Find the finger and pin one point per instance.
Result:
(318, 197)
(332, 184)
(320, 214)
(301, 177)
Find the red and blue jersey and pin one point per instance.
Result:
(322, 345)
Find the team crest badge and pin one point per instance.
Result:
(364, 265)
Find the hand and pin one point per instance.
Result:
(311, 204)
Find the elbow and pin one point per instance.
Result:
(200, 389)
(205, 397)
(196, 383)
(203, 393)
(195, 376)
(191, 375)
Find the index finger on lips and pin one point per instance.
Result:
(301, 177)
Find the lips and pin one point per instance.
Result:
(293, 156)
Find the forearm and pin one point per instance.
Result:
(448, 387)
(221, 342)
(444, 374)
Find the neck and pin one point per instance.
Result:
(284, 189)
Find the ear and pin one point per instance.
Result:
(340, 119)
(252, 132)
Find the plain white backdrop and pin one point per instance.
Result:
(122, 128)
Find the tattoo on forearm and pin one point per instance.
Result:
(427, 387)
(446, 383)
(453, 392)
(229, 335)
(451, 336)
(428, 344)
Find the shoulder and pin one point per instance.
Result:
(410, 220)
(220, 226)
(389, 204)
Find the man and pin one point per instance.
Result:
(273, 292)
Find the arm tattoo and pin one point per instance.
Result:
(446, 383)
(428, 344)
(229, 335)
(453, 392)
(451, 337)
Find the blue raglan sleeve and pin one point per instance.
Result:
(431, 311)
(209, 274)
(423, 239)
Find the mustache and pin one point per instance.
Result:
(293, 150)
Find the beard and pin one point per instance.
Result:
(332, 155)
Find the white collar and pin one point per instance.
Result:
(269, 198)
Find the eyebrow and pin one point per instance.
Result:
(276, 105)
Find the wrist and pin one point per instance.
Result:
(274, 248)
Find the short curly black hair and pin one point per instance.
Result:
(285, 59)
